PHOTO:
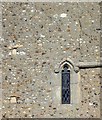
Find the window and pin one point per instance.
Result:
(65, 85)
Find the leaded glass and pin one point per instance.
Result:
(65, 85)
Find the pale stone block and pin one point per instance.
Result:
(56, 94)
(74, 77)
(14, 52)
(56, 79)
(75, 93)
(13, 100)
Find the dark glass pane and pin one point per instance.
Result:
(65, 86)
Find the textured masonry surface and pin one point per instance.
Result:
(37, 37)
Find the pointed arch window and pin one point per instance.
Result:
(65, 85)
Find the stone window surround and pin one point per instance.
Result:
(74, 82)
(75, 77)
